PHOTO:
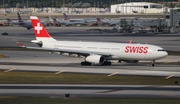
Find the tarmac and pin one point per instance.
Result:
(53, 63)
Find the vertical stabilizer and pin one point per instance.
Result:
(99, 21)
(65, 16)
(21, 22)
(39, 30)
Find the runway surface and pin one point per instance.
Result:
(53, 63)
(110, 91)
(42, 61)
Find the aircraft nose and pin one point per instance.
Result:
(165, 54)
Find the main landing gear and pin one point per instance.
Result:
(152, 63)
(107, 63)
(84, 63)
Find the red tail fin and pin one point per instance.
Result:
(9, 21)
(99, 21)
(65, 16)
(39, 30)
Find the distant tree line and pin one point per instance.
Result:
(75, 3)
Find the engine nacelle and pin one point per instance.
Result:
(131, 61)
(37, 42)
(95, 59)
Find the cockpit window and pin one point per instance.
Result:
(161, 50)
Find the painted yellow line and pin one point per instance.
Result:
(112, 74)
(170, 95)
(108, 91)
(10, 70)
(60, 72)
(169, 76)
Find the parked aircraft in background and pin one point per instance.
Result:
(77, 11)
(95, 53)
(70, 22)
(118, 11)
(109, 23)
(25, 11)
(58, 10)
(26, 24)
(134, 11)
(8, 11)
(102, 10)
(57, 23)
(50, 21)
(65, 16)
(10, 22)
(40, 10)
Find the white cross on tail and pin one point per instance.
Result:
(38, 28)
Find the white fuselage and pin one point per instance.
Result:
(117, 51)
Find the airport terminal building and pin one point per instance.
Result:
(137, 7)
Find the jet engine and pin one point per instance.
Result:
(95, 59)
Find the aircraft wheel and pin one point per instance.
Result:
(153, 63)
(107, 63)
(85, 63)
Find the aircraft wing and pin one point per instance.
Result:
(79, 52)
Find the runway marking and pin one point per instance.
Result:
(112, 74)
(60, 72)
(9, 70)
(53, 93)
(171, 95)
(108, 91)
(169, 76)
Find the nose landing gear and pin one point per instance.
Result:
(152, 63)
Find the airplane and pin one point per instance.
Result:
(8, 11)
(26, 24)
(102, 11)
(57, 23)
(25, 11)
(65, 16)
(50, 21)
(69, 22)
(58, 10)
(109, 23)
(94, 53)
(40, 10)
(86, 19)
(134, 11)
(10, 22)
(77, 11)
(118, 11)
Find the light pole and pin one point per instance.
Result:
(3, 4)
(110, 8)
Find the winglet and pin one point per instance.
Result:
(20, 44)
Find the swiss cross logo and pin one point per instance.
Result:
(38, 28)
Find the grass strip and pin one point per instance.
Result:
(16, 77)
(46, 100)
